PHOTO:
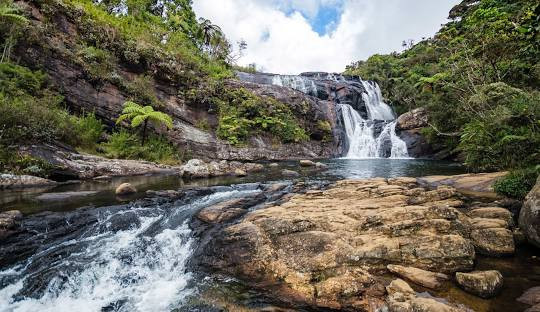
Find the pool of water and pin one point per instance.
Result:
(30, 201)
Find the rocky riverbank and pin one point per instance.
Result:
(343, 246)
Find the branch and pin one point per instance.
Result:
(452, 134)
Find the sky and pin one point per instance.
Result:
(294, 36)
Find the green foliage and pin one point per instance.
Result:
(125, 145)
(11, 25)
(89, 130)
(139, 115)
(517, 184)
(12, 162)
(141, 89)
(243, 114)
(97, 63)
(478, 77)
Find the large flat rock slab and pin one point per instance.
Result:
(330, 248)
(474, 183)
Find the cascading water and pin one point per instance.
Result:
(362, 142)
(131, 259)
(362, 139)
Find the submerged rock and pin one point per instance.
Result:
(531, 297)
(529, 216)
(125, 189)
(421, 277)
(290, 173)
(485, 284)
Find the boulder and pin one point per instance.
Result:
(273, 165)
(484, 284)
(320, 165)
(493, 241)
(8, 222)
(240, 173)
(290, 173)
(307, 163)
(418, 276)
(125, 189)
(529, 216)
(417, 118)
(195, 168)
(11, 181)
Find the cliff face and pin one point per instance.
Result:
(55, 35)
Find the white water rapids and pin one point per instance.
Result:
(130, 260)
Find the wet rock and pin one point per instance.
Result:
(325, 247)
(307, 163)
(418, 276)
(529, 216)
(8, 222)
(240, 173)
(402, 298)
(65, 195)
(493, 241)
(477, 184)
(320, 165)
(492, 213)
(290, 173)
(485, 284)
(273, 165)
(531, 296)
(11, 181)
(125, 189)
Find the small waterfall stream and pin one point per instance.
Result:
(362, 138)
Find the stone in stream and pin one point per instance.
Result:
(531, 297)
(484, 284)
(402, 298)
(240, 173)
(307, 163)
(290, 173)
(125, 189)
(418, 276)
(273, 165)
(529, 216)
(65, 195)
(8, 222)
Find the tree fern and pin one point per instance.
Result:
(141, 115)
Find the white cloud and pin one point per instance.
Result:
(286, 43)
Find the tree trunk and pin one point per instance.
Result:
(144, 132)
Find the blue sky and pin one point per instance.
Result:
(293, 36)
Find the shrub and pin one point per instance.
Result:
(11, 161)
(89, 130)
(125, 145)
(517, 184)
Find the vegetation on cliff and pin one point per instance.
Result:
(479, 78)
(133, 46)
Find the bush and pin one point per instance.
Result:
(126, 145)
(11, 161)
(89, 130)
(517, 184)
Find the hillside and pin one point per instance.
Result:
(478, 78)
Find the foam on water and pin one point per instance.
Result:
(141, 268)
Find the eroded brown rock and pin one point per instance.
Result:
(421, 277)
(485, 284)
(328, 248)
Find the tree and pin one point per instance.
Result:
(142, 115)
(10, 21)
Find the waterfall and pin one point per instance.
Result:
(362, 136)
(299, 83)
(363, 143)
